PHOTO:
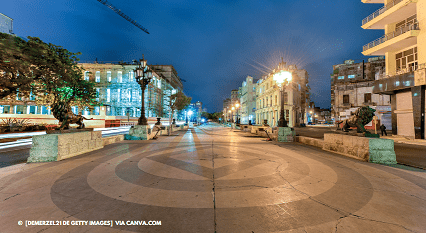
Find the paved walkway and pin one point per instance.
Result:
(211, 179)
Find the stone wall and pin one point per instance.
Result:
(310, 141)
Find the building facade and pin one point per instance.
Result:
(352, 87)
(404, 47)
(268, 98)
(6, 24)
(121, 94)
(247, 93)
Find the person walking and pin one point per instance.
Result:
(383, 129)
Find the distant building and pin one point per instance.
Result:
(352, 87)
(296, 95)
(6, 24)
(247, 93)
(404, 45)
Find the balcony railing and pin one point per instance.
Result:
(397, 32)
(380, 11)
(401, 71)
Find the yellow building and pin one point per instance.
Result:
(404, 47)
(268, 98)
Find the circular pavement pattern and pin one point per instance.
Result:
(197, 187)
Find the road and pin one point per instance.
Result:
(212, 179)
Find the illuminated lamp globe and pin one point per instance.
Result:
(282, 77)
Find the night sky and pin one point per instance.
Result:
(213, 45)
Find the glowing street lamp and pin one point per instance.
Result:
(189, 114)
(282, 78)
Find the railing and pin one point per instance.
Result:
(380, 11)
(401, 71)
(391, 35)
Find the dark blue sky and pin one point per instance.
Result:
(213, 45)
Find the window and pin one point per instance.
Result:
(86, 75)
(351, 76)
(346, 99)
(109, 76)
(341, 77)
(159, 84)
(285, 97)
(97, 94)
(120, 76)
(118, 95)
(407, 59)
(267, 101)
(367, 97)
(276, 100)
(271, 99)
(108, 95)
(98, 76)
(131, 74)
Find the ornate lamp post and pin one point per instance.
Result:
(143, 77)
(282, 78)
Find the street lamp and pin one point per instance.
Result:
(143, 77)
(189, 114)
(237, 105)
(282, 78)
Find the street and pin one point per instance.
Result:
(212, 179)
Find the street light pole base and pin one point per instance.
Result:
(286, 134)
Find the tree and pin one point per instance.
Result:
(206, 115)
(177, 102)
(48, 71)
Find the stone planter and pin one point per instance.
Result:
(55, 147)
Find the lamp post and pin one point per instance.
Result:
(143, 77)
(282, 78)
(237, 105)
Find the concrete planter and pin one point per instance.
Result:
(55, 147)
(373, 150)
(138, 132)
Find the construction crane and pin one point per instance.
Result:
(106, 3)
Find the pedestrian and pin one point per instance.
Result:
(383, 129)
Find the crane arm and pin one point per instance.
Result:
(106, 3)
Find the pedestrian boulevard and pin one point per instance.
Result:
(212, 179)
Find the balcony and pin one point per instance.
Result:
(399, 39)
(394, 11)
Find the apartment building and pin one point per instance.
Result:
(6, 24)
(247, 93)
(404, 47)
(268, 97)
(352, 87)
